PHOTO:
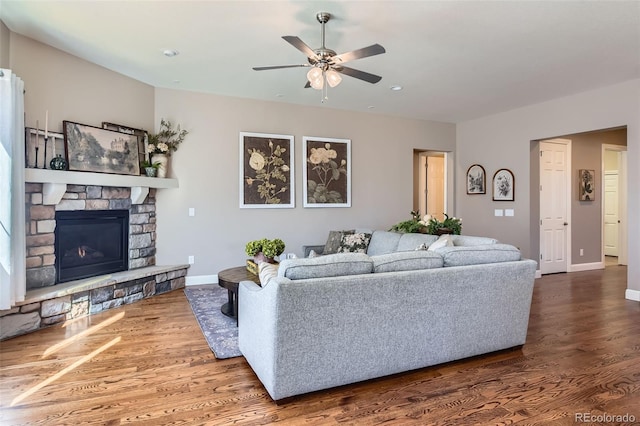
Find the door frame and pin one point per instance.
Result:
(622, 204)
(568, 186)
(449, 183)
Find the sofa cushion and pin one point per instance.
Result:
(413, 241)
(383, 242)
(474, 255)
(332, 265)
(354, 243)
(470, 240)
(443, 241)
(406, 261)
(333, 241)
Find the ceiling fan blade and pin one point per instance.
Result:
(300, 45)
(361, 75)
(374, 49)
(275, 67)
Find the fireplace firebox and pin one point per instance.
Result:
(90, 243)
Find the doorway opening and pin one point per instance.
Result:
(432, 183)
(614, 205)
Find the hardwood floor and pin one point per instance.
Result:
(148, 363)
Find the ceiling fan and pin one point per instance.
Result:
(326, 65)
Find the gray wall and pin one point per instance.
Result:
(504, 140)
(207, 166)
(76, 90)
(5, 36)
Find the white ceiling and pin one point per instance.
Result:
(455, 60)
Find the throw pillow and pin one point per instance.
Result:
(354, 243)
(333, 241)
(422, 246)
(443, 241)
(267, 271)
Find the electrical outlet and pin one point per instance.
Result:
(581, 252)
(192, 211)
(192, 260)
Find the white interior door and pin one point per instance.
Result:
(622, 214)
(554, 190)
(611, 213)
(435, 187)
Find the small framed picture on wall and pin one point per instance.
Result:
(504, 185)
(476, 180)
(586, 185)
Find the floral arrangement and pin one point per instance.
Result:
(269, 168)
(429, 224)
(269, 248)
(167, 140)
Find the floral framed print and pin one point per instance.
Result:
(504, 185)
(266, 171)
(326, 172)
(476, 180)
(92, 149)
(586, 185)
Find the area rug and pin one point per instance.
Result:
(220, 331)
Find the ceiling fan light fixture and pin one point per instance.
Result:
(333, 78)
(315, 77)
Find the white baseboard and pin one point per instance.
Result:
(632, 295)
(201, 280)
(578, 267)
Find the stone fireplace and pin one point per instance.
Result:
(52, 297)
(42, 268)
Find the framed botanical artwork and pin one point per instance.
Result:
(141, 135)
(266, 171)
(504, 185)
(476, 180)
(586, 185)
(326, 172)
(92, 149)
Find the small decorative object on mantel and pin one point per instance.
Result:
(263, 250)
(150, 169)
(162, 144)
(58, 163)
(429, 225)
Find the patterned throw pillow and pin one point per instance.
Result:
(333, 241)
(354, 243)
(267, 271)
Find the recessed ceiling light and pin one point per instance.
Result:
(176, 81)
(279, 95)
(396, 88)
(371, 107)
(170, 53)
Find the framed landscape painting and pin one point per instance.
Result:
(476, 180)
(503, 185)
(326, 172)
(92, 149)
(266, 171)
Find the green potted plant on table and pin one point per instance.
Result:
(429, 225)
(263, 250)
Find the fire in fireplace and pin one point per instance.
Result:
(90, 243)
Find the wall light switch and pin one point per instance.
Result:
(498, 212)
(192, 260)
(192, 211)
(508, 212)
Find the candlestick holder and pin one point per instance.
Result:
(44, 162)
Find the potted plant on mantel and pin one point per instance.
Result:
(150, 169)
(162, 144)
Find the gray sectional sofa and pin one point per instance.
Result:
(342, 318)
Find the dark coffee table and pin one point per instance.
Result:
(229, 279)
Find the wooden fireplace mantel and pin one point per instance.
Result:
(54, 183)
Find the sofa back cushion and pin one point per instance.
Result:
(480, 254)
(413, 241)
(406, 261)
(470, 240)
(383, 242)
(331, 265)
